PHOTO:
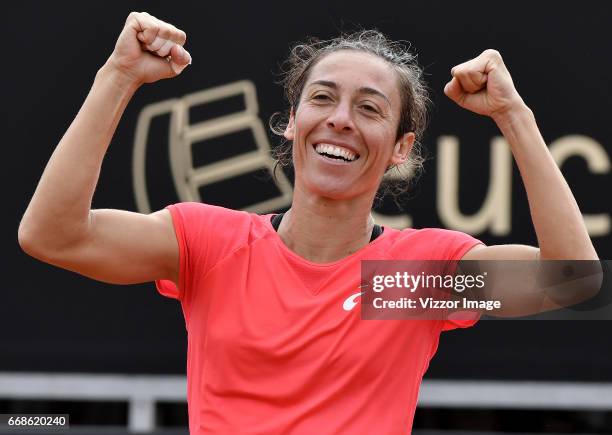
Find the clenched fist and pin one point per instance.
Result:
(149, 49)
(483, 85)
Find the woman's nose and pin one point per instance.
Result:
(341, 118)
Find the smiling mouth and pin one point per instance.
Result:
(335, 152)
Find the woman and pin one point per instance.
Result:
(275, 342)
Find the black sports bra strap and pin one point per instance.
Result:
(376, 231)
(277, 218)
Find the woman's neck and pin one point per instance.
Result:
(322, 230)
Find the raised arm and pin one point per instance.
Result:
(58, 226)
(483, 85)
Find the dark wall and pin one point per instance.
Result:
(54, 320)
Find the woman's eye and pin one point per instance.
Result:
(370, 108)
(321, 97)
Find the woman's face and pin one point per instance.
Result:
(344, 129)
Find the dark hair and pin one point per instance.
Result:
(413, 91)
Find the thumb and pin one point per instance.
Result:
(179, 59)
(454, 91)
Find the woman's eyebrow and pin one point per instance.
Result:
(363, 90)
(372, 91)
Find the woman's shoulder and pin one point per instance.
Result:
(428, 233)
(429, 242)
(201, 208)
(217, 221)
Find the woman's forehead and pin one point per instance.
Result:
(350, 69)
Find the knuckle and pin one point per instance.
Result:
(132, 16)
(179, 35)
(493, 53)
(164, 31)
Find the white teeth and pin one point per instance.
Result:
(335, 151)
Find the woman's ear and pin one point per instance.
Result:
(402, 148)
(290, 129)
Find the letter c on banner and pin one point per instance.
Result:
(598, 162)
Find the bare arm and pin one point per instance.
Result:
(484, 85)
(559, 226)
(59, 226)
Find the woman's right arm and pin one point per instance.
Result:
(58, 226)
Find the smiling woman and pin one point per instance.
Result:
(411, 90)
(276, 345)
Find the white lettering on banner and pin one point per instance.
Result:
(598, 162)
(495, 213)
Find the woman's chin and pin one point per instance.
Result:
(332, 189)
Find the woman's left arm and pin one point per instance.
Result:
(484, 86)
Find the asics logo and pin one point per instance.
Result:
(351, 301)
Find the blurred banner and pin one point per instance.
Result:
(204, 136)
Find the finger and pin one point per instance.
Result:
(180, 55)
(164, 50)
(179, 59)
(157, 35)
(491, 59)
(162, 46)
(471, 75)
(146, 26)
(170, 33)
(473, 80)
(156, 44)
(454, 91)
(177, 35)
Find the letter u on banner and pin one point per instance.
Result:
(496, 211)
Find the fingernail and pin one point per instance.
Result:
(177, 68)
(185, 53)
